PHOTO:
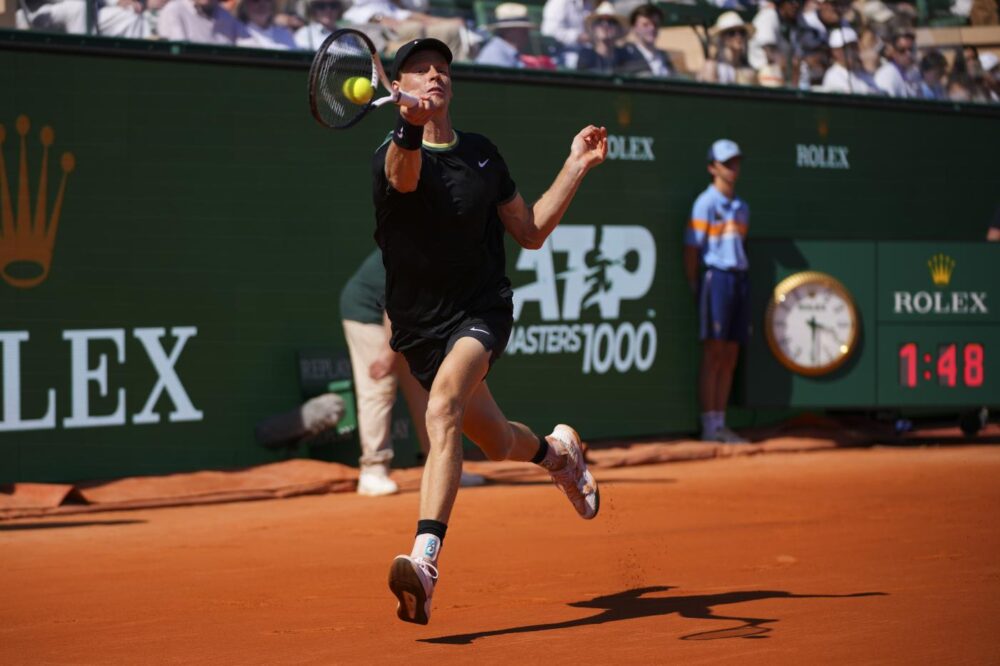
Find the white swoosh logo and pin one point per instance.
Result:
(481, 165)
(478, 330)
(399, 132)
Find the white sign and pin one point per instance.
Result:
(630, 148)
(82, 376)
(605, 266)
(813, 156)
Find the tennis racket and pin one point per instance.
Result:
(345, 56)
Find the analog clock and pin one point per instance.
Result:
(811, 323)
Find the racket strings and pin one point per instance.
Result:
(344, 58)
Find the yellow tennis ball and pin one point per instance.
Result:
(358, 89)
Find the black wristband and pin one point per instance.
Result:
(407, 136)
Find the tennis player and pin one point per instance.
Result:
(443, 200)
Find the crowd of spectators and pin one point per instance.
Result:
(861, 47)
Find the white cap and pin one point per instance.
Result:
(723, 150)
(989, 61)
(842, 36)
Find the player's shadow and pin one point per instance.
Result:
(604, 482)
(631, 604)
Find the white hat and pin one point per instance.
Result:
(841, 36)
(511, 15)
(606, 10)
(989, 61)
(729, 21)
(724, 150)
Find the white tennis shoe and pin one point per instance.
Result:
(374, 481)
(574, 478)
(412, 580)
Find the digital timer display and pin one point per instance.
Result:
(951, 365)
(938, 365)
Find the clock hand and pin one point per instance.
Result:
(831, 331)
(814, 352)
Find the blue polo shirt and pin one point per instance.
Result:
(718, 227)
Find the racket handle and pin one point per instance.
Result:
(406, 99)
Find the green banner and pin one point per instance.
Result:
(176, 231)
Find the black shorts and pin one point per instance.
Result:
(492, 329)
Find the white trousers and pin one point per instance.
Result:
(375, 397)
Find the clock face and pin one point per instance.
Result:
(811, 323)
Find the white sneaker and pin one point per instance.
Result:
(469, 479)
(574, 478)
(374, 481)
(412, 580)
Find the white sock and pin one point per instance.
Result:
(427, 547)
(708, 422)
(720, 422)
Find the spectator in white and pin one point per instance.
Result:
(644, 59)
(563, 20)
(730, 64)
(404, 22)
(323, 16)
(897, 76)
(606, 29)
(846, 75)
(129, 18)
(932, 70)
(199, 21)
(772, 26)
(824, 15)
(59, 16)
(511, 31)
(257, 17)
(991, 75)
(772, 73)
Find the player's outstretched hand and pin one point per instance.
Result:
(590, 146)
(422, 112)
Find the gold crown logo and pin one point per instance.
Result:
(941, 266)
(26, 242)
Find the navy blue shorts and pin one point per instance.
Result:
(492, 329)
(724, 305)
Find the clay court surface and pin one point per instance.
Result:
(881, 555)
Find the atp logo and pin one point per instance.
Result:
(602, 267)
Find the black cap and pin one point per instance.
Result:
(411, 47)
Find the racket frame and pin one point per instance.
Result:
(378, 76)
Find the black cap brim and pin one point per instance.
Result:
(414, 46)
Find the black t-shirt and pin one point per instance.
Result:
(443, 244)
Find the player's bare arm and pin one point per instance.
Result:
(427, 76)
(402, 167)
(530, 226)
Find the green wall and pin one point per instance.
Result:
(204, 196)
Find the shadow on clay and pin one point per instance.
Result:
(632, 604)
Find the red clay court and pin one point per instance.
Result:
(875, 555)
